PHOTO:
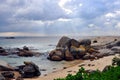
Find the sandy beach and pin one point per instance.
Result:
(87, 64)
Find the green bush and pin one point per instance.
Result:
(113, 73)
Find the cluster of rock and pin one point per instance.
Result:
(25, 52)
(3, 52)
(28, 70)
(71, 49)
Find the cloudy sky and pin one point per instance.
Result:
(59, 17)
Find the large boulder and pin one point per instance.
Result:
(79, 52)
(25, 53)
(62, 42)
(68, 56)
(56, 55)
(72, 42)
(29, 70)
(86, 42)
(26, 48)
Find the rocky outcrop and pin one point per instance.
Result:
(70, 49)
(68, 56)
(26, 48)
(86, 42)
(3, 52)
(29, 70)
(8, 74)
(112, 44)
(62, 42)
(56, 55)
(116, 49)
(25, 52)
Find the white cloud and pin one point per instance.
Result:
(62, 5)
(62, 19)
(117, 25)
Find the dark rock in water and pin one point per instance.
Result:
(86, 42)
(9, 37)
(56, 55)
(26, 48)
(30, 70)
(3, 52)
(62, 42)
(25, 53)
(8, 74)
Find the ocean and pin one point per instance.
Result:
(38, 44)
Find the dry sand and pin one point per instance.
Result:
(87, 64)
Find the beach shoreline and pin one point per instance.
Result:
(87, 64)
(72, 67)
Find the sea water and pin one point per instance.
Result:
(39, 44)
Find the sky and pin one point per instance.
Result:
(59, 17)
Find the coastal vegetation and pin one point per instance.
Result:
(111, 72)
